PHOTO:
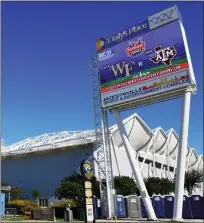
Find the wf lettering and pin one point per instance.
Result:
(124, 68)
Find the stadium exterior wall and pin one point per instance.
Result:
(155, 150)
(43, 171)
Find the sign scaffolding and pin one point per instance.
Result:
(105, 173)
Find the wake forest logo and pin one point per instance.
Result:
(86, 169)
(135, 48)
(164, 55)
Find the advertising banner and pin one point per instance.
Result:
(154, 21)
(150, 88)
(147, 61)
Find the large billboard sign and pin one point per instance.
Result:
(145, 64)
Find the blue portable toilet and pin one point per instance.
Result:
(2, 205)
(143, 209)
(169, 206)
(186, 214)
(158, 205)
(95, 206)
(121, 209)
(196, 207)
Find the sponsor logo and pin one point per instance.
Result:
(135, 48)
(164, 55)
(102, 43)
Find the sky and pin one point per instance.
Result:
(46, 80)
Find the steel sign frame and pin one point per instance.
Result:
(147, 63)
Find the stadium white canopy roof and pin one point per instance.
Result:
(49, 141)
(144, 141)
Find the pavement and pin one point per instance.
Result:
(118, 221)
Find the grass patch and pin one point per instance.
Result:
(17, 218)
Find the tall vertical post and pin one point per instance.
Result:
(9, 196)
(181, 159)
(0, 127)
(106, 167)
(105, 173)
(154, 155)
(135, 166)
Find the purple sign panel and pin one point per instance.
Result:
(152, 22)
(146, 62)
(150, 64)
(152, 51)
(125, 34)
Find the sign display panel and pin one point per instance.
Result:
(152, 63)
(168, 15)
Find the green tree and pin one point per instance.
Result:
(35, 194)
(193, 178)
(161, 186)
(153, 185)
(77, 178)
(166, 186)
(72, 188)
(16, 193)
(125, 186)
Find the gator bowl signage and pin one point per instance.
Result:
(87, 170)
(150, 65)
(87, 173)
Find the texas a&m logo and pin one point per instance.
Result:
(164, 55)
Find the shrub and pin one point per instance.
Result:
(63, 203)
(162, 186)
(125, 185)
(22, 206)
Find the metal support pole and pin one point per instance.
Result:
(181, 160)
(9, 196)
(135, 167)
(154, 155)
(106, 170)
(146, 154)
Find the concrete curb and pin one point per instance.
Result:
(129, 220)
